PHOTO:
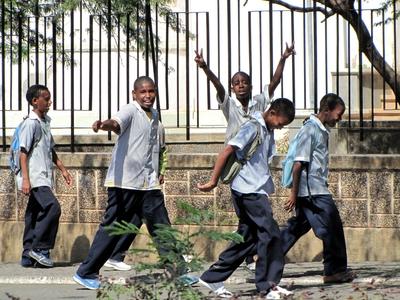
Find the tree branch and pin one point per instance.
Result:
(327, 13)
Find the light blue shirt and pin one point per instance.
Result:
(40, 158)
(255, 176)
(236, 116)
(312, 147)
(135, 157)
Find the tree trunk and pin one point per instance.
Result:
(367, 47)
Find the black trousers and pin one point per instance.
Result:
(319, 213)
(122, 205)
(42, 217)
(259, 229)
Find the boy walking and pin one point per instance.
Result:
(310, 195)
(250, 190)
(132, 179)
(36, 180)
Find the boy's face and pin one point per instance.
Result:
(241, 86)
(145, 94)
(43, 102)
(334, 116)
(275, 120)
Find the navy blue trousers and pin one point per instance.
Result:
(321, 214)
(122, 205)
(42, 217)
(258, 229)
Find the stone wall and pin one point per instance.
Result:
(366, 190)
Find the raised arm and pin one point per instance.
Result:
(276, 78)
(210, 75)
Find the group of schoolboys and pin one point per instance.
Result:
(136, 173)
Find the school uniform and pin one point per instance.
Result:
(319, 211)
(43, 210)
(132, 182)
(250, 190)
(236, 116)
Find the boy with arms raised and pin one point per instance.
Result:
(250, 190)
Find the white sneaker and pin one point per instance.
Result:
(117, 265)
(277, 292)
(218, 288)
(251, 267)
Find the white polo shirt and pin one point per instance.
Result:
(135, 157)
(236, 116)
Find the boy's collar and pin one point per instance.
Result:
(137, 105)
(315, 119)
(250, 104)
(34, 116)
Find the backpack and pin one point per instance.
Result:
(15, 151)
(233, 165)
(287, 164)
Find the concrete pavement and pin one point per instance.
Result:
(376, 280)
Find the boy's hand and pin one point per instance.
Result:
(26, 186)
(207, 186)
(199, 59)
(288, 51)
(96, 125)
(291, 203)
(161, 179)
(67, 177)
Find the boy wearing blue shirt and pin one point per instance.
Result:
(36, 180)
(250, 190)
(310, 195)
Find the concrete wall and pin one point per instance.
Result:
(366, 190)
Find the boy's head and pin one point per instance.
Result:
(279, 114)
(39, 97)
(144, 92)
(331, 108)
(241, 85)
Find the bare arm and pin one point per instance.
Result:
(26, 183)
(219, 165)
(276, 78)
(67, 176)
(107, 125)
(296, 173)
(210, 75)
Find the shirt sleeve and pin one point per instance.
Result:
(26, 134)
(304, 138)
(247, 133)
(124, 118)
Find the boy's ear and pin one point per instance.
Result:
(133, 95)
(34, 102)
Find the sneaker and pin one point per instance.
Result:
(117, 265)
(218, 288)
(91, 284)
(27, 262)
(277, 292)
(41, 258)
(188, 280)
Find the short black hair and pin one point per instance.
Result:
(330, 101)
(34, 91)
(284, 107)
(142, 79)
(247, 76)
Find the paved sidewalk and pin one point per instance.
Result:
(376, 280)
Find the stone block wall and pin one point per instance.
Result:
(365, 188)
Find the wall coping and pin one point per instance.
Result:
(206, 160)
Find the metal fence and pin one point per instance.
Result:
(90, 67)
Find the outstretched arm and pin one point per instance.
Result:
(210, 75)
(107, 125)
(276, 78)
(219, 165)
